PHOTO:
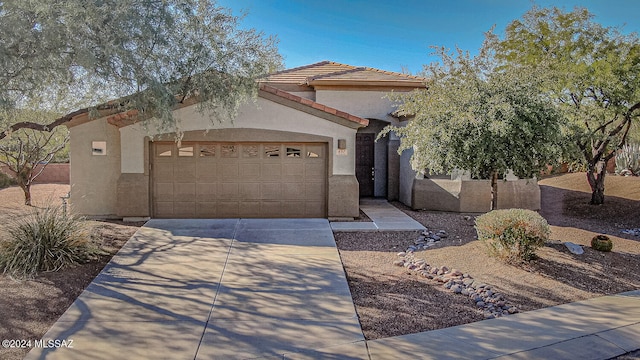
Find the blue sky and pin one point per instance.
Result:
(396, 35)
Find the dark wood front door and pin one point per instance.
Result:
(364, 163)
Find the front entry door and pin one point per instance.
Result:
(364, 163)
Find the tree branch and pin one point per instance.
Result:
(52, 125)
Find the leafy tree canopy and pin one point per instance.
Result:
(152, 54)
(476, 117)
(592, 73)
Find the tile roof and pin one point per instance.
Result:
(327, 72)
(313, 105)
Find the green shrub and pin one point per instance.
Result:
(6, 180)
(513, 234)
(44, 240)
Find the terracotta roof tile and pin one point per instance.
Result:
(327, 71)
(313, 104)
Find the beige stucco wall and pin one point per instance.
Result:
(461, 195)
(94, 178)
(263, 114)
(365, 104)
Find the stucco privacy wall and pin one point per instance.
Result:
(263, 114)
(474, 196)
(94, 178)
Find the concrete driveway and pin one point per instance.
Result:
(216, 289)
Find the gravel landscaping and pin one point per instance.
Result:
(396, 300)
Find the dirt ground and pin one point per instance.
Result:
(30, 307)
(392, 300)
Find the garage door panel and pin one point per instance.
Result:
(207, 192)
(164, 209)
(184, 192)
(313, 191)
(249, 170)
(293, 171)
(249, 191)
(164, 171)
(228, 170)
(184, 208)
(314, 209)
(271, 171)
(294, 191)
(228, 191)
(271, 191)
(228, 208)
(208, 179)
(206, 209)
(314, 170)
(207, 171)
(271, 207)
(293, 209)
(249, 208)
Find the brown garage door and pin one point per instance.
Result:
(209, 180)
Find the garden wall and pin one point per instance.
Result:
(53, 173)
(474, 195)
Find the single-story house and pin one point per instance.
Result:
(305, 148)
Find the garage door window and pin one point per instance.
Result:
(207, 150)
(250, 151)
(272, 150)
(185, 151)
(163, 150)
(229, 151)
(293, 152)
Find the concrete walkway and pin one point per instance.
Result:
(276, 289)
(594, 329)
(384, 217)
(216, 289)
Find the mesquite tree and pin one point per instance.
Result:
(477, 117)
(592, 72)
(27, 152)
(151, 55)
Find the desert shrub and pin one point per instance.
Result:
(44, 240)
(513, 234)
(6, 180)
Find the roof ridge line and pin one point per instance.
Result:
(341, 72)
(320, 63)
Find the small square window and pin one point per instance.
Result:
(99, 148)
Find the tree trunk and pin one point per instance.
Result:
(494, 191)
(595, 177)
(27, 193)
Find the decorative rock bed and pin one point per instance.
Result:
(634, 232)
(492, 304)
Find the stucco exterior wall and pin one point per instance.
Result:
(94, 178)
(461, 195)
(365, 104)
(263, 114)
